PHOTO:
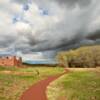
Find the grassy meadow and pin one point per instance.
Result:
(14, 81)
(79, 84)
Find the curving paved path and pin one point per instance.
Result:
(37, 91)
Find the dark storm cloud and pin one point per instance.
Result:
(9, 40)
(78, 44)
(49, 45)
(94, 36)
(73, 3)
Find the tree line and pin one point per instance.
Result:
(88, 56)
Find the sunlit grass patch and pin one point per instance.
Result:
(84, 85)
(3, 68)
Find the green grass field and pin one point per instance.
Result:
(76, 85)
(14, 81)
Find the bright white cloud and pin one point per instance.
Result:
(23, 28)
(31, 56)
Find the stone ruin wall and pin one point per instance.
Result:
(10, 61)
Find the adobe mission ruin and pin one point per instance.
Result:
(10, 61)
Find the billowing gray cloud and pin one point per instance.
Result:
(64, 2)
(20, 1)
(49, 25)
(95, 35)
(73, 3)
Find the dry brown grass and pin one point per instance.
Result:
(85, 69)
(16, 73)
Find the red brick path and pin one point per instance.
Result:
(37, 91)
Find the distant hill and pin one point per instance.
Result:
(41, 63)
(51, 61)
(88, 56)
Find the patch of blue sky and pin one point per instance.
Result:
(16, 18)
(44, 12)
(26, 7)
(7, 53)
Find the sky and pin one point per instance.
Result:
(38, 29)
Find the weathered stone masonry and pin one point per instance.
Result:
(10, 61)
